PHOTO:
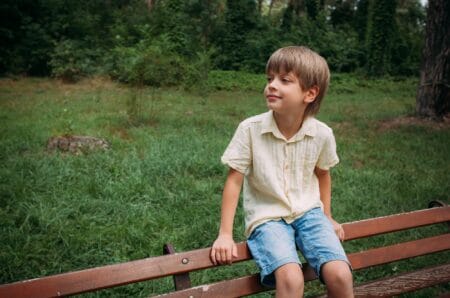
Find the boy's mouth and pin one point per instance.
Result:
(272, 98)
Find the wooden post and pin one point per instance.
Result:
(182, 281)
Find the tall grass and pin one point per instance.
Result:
(161, 180)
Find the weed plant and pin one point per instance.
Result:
(161, 181)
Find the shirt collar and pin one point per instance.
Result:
(268, 125)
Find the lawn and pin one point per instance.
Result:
(161, 179)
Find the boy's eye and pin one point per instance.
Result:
(269, 79)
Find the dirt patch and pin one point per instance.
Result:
(28, 84)
(403, 121)
(121, 133)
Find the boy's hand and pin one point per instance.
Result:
(223, 250)
(338, 229)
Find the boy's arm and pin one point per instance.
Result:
(224, 248)
(324, 178)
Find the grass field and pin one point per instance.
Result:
(161, 180)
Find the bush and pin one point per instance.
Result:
(230, 80)
(150, 62)
(339, 46)
(72, 60)
(155, 62)
(197, 72)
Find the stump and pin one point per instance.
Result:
(76, 144)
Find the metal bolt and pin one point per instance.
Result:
(185, 261)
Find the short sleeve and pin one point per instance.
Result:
(238, 154)
(328, 156)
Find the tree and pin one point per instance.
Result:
(288, 18)
(433, 96)
(241, 19)
(312, 8)
(379, 36)
(408, 38)
(342, 13)
(360, 19)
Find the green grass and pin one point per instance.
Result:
(161, 181)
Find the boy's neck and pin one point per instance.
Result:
(289, 124)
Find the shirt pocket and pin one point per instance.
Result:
(306, 155)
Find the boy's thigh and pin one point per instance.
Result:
(272, 245)
(317, 240)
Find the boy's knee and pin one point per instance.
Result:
(290, 278)
(337, 273)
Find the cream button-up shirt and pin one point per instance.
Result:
(279, 174)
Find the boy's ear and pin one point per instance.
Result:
(311, 94)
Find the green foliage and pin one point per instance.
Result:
(339, 45)
(129, 40)
(71, 60)
(380, 36)
(151, 62)
(287, 19)
(236, 80)
(169, 19)
(26, 41)
(408, 39)
(197, 73)
(312, 8)
(155, 62)
(232, 42)
(360, 19)
(259, 48)
(342, 13)
(203, 23)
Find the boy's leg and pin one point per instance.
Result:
(338, 278)
(321, 247)
(272, 245)
(289, 281)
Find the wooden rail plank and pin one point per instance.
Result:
(396, 222)
(401, 251)
(130, 272)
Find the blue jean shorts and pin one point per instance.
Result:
(274, 244)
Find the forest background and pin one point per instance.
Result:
(178, 42)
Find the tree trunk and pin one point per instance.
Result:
(433, 96)
(260, 3)
(150, 4)
(270, 6)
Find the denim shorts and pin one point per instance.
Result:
(275, 243)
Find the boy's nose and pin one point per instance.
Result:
(273, 84)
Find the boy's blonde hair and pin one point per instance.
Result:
(310, 68)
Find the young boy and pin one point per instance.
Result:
(282, 158)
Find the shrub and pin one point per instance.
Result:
(197, 72)
(72, 60)
(150, 62)
(235, 80)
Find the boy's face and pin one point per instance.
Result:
(285, 95)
